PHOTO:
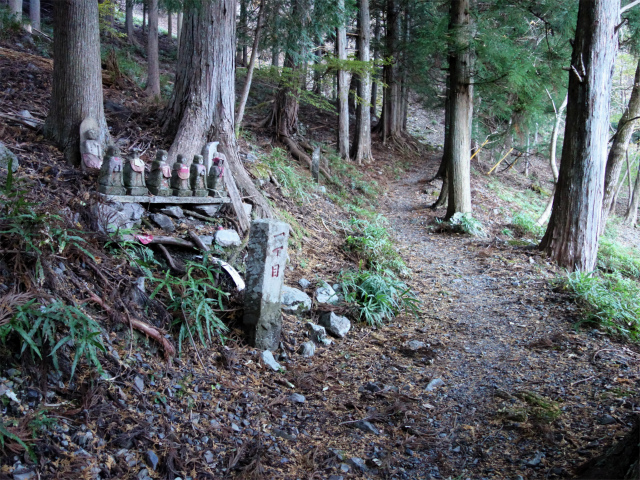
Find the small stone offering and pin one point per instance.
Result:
(90, 147)
(110, 178)
(199, 177)
(180, 178)
(160, 175)
(133, 174)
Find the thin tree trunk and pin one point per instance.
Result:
(144, 17)
(460, 65)
(34, 13)
(15, 7)
(128, 20)
(77, 76)
(361, 148)
(343, 89)
(571, 238)
(376, 57)
(170, 25)
(179, 23)
(275, 57)
(202, 103)
(632, 212)
(252, 63)
(153, 63)
(615, 197)
(626, 127)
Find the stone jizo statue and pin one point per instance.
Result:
(215, 181)
(90, 151)
(199, 177)
(110, 177)
(180, 178)
(160, 175)
(133, 173)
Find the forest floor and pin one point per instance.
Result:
(502, 385)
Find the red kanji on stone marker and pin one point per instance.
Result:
(277, 251)
(276, 236)
(275, 270)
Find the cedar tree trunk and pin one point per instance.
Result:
(571, 238)
(376, 57)
(15, 7)
(343, 89)
(461, 105)
(34, 13)
(632, 212)
(77, 76)
(153, 63)
(128, 21)
(361, 148)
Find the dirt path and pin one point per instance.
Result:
(523, 394)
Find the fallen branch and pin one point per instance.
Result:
(162, 240)
(196, 239)
(179, 269)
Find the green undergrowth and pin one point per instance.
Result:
(464, 223)
(614, 257)
(525, 207)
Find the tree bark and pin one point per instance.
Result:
(571, 238)
(170, 25)
(128, 21)
(34, 13)
(631, 216)
(15, 7)
(144, 16)
(153, 63)
(626, 127)
(361, 148)
(376, 57)
(77, 76)
(443, 198)
(343, 88)
(461, 104)
(202, 104)
(179, 23)
(252, 63)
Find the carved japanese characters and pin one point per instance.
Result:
(198, 177)
(158, 180)
(110, 178)
(133, 173)
(180, 178)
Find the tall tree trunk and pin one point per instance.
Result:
(170, 24)
(376, 57)
(632, 212)
(626, 127)
(202, 103)
(343, 88)
(460, 65)
(244, 21)
(77, 76)
(153, 63)
(275, 57)
(571, 238)
(34, 13)
(361, 148)
(128, 21)
(252, 63)
(179, 23)
(443, 198)
(15, 7)
(144, 16)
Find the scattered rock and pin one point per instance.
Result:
(209, 210)
(206, 239)
(433, 384)
(294, 300)
(163, 221)
(336, 477)
(228, 238)
(370, 387)
(366, 427)
(297, 398)
(344, 468)
(304, 283)
(283, 434)
(335, 324)
(308, 349)
(357, 463)
(318, 334)
(326, 294)
(267, 359)
(208, 456)
(173, 211)
(414, 345)
(606, 420)
(535, 461)
(152, 459)
(108, 217)
(24, 474)
(138, 383)
(7, 155)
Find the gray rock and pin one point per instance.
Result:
(357, 463)
(326, 294)
(138, 384)
(268, 360)
(114, 215)
(322, 189)
(7, 155)
(414, 345)
(297, 398)
(308, 349)
(209, 210)
(433, 384)
(227, 238)
(336, 477)
(163, 221)
(152, 459)
(283, 434)
(535, 461)
(143, 474)
(335, 324)
(318, 334)
(304, 283)
(208, 456)
(606, 420)
(24, 474)
(366, 427)
(344, 468)
(235, 428)
(207, 239)
(294, 300)
(173, 211)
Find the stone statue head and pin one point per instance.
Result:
(180, 159)
(91, 134)
(198, 160)
(162, 155)
(113, 151)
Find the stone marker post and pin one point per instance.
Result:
(266, 261)
(315, 165)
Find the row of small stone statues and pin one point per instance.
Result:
(118, 177)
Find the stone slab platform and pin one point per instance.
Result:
(163, 200)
